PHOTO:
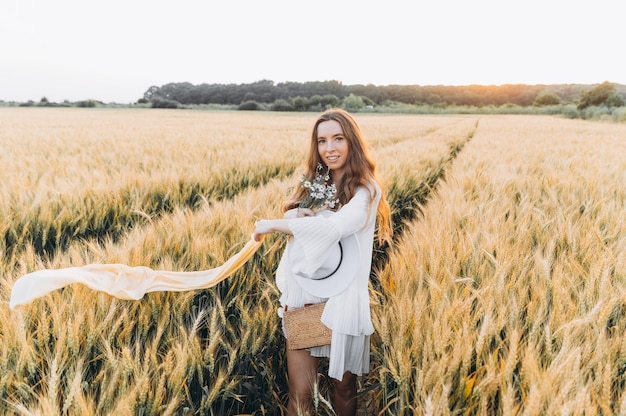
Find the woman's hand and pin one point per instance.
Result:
(262, 227)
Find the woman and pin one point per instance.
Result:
(337, 143)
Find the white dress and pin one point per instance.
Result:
(348, 313)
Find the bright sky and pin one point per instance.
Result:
(115, 50)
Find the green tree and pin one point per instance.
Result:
(352, 102)
(300, 103)
(249, 105)
(329, 101)
(601, 94)
(86, 103)
(281, 105)
(164, 103)
(548, 98)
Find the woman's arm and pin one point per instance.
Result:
(349, 219)
(354, 215)
(263, 227)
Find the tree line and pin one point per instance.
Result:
(321, 94)
(571, 100)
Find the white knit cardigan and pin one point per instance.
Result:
(348, 313)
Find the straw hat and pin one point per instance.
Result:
(337, 271)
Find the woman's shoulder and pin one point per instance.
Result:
(370, 187)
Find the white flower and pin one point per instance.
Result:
(321, 195)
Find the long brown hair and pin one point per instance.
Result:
(360, 169)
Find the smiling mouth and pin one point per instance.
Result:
(332, 158)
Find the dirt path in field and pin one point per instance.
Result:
(411, 203)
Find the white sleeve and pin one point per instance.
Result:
(314, 237)
(356, 214)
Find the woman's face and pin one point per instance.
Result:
(332, 147)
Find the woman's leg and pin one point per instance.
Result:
(302, 372)
(344, 402)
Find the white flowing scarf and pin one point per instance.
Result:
(125, 282)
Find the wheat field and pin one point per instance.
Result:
(503, 292)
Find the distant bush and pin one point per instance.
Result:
(569, 111)
(249, 106)
(164, 103)
(300, 103)
(86, 103)
(615, 100)
(547, 99)
(352, 102)
(322, 102)
(596, 113)
(602, 94)
(44, 102)
(619, 114)
(281, 105)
